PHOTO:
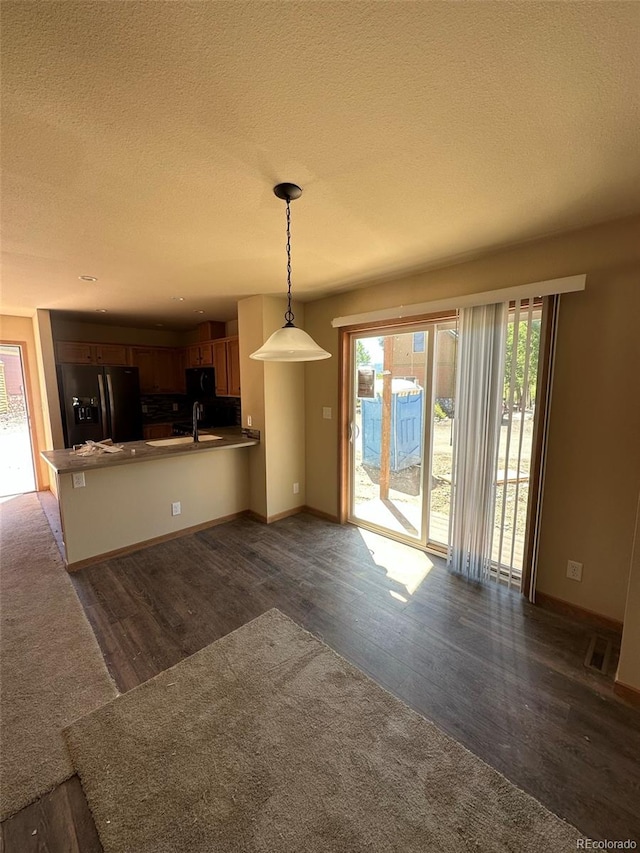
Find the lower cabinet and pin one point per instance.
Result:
(150, 431)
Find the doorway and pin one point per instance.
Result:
(402, 433)
(16, 449)
(402, 402)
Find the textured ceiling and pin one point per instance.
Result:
(141, 142)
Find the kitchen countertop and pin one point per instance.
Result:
(68, 462)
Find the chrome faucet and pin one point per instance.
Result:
(197, 413)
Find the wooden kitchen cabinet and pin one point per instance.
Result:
(142, 358)
(159, 369)
(220, 366)
(112, 354)
(77, 352)
(163, 371)
(72, 352)
(179, 366)
(233, 366)
(226, 361)
(193, 357)
(151, 431)
(201, 355)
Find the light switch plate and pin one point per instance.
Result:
(326, 413)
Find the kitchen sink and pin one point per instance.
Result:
(183, 439)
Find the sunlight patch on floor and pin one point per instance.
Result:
(402, 563)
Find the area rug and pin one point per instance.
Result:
(268, 741)
(51, 669)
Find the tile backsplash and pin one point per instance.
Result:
(233, 403)
(161, 407)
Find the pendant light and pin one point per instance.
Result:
(289, 343)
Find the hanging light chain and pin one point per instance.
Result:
(289, 315)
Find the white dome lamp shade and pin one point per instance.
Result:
(289, 343)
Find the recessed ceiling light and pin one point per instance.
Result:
(198, 311)
(178, 298)
(87, 278)
(101, 310)
(159, 324)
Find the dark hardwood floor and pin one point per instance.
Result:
(504, 678)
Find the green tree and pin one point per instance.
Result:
(522, 395)
(362, 354)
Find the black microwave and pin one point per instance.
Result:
(201, 383)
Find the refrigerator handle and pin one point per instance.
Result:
(112, 414)
(103, 404)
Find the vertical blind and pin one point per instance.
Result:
(479, 384)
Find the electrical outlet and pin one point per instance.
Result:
(145, 409)
(249, 421)
(78, 480)
(176, 508)
(326, 413)
(175, 407)
(296, 488)
(574, 570)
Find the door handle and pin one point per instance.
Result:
(111, 407)
(103, 404)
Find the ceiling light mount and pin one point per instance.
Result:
(289, 343)
(287, 192)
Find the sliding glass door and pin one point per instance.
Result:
(442, 428)
(400, 435)
(515, 451)
(402, 432)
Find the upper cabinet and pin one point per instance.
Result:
(200, 355)
(161, 369)
(226, 361)
(112, 354)
(75, 352)
(233, 366)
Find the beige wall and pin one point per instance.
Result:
(593, 465)
(250, 322)
(72, 330)
(127, 504)
(285, 420)
(20, 329)
(48, 379)
(273, 395)
(593, 471)
(629, 664)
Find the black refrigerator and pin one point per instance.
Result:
(99, 402)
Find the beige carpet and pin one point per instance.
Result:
(268, 741)
(51, 669)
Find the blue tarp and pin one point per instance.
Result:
(406, 430)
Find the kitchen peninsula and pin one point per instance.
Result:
(112, 502)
